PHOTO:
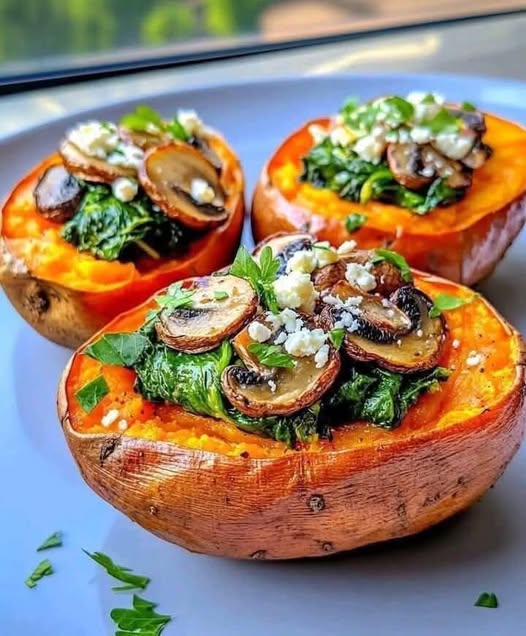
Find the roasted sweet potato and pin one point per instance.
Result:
(462, 242)
(67, 295)
(206, 485)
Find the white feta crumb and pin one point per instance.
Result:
(126, 156)
(201, 191)
(399, 342)
(420, 135)
(273, 386)
(304, 261)
(280, 338)
(122, 425)
(322, 356)
(474, 359)
(359, 276)
(454, 145)
(125, 189)
(110, 417)
(455, 344)
(419, 333)
(391, 313)
(258, 331)
(94, 138)
(296, 291)
(325, 253)
(346, 247)
(370, 148)
(305, 342)
(191, 122)
(317, 133)
(341, 136)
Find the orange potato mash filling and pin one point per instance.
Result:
(469, 391)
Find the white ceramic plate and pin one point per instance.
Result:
(424, 586)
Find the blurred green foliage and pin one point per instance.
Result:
(30, 29)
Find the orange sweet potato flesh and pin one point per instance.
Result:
(212, 488)
(67, 295)
(462, 242)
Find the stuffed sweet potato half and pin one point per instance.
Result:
(119, 212)
(305, 402)
(443, 184)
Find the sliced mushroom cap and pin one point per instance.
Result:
(388, 276)
(419, 350)
(58, 194)
(326, 277)
(478, 156)
(167, 174)
(405, 163)
(241, 342)
(374, 318)
(456, 175)
(284, 245)
(212, 316)
(201, 144)
(294, 389)
(92, 168)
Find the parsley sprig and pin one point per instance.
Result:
(145, 119)
(487, 599)
(53, 541)
(119, 572)
(396, 259)
(447, 302)
(44, 568)
(271, 355)
(260, 275)
(141, 619)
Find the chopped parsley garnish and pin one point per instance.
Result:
(260, 275)
(54, 541)
(336, 337)
(122, 349)
(468, 107)
(176, 297)
(44, 568)
(146, 119)
(355, 221)
(447, 302)
(396, 259)
(140, 619)
(220, 294)
(487, 599)
(133, 581)
(92, 393)
(271, 355)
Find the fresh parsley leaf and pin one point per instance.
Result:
(271, 355)
(176, 297)
(143, 119)
(133, 581)
(468, 107)
(397, 109)
(92, 393)
(487, 599)
(177, 130)
(141, 619)
(54, 541)
(219, 294)
(443, 122)
(355, 221)
(446, 302)
(382, 254)
(336, 336)
(44, 568)
(261, 276)
(121, 349)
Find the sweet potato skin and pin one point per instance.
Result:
(305, 503)
(467, 253)
(68, 315)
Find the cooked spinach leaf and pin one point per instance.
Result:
(341, 170)
(191, 380)
(109, 228)
(379, 396)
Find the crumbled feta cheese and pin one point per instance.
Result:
(359, 276)
(273, 386)
(280, 338)
(122, 425)
(258, 331)
(295, 290)
(110, 417)
(427, 171)
(304, 261)
(342, 136)
(391, 313)
(399, 342)
(94, 138)
(322, 356)
(474, 359)
(191, 122)
(201, 191)
(125, 189)
(404, 136)
(305, 342)
(126, 156)
(348, 321)
(419, 333)
(346, 247)
(317, 133)
(369, 148)
(454, 145)
(325, 253)
(455, 344)
(421, 135)
(351, 303)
